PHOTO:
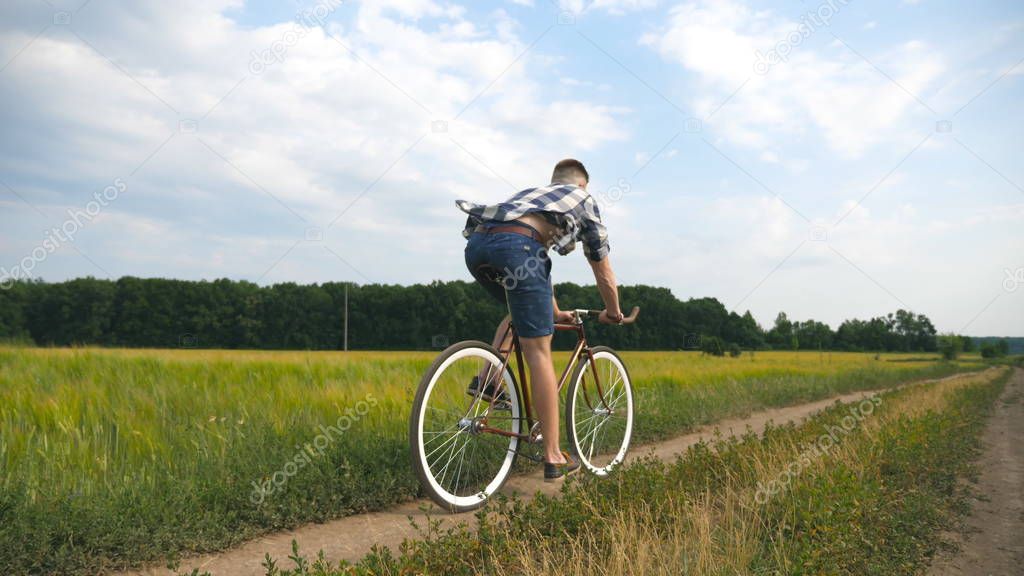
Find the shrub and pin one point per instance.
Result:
(996, 349)
(712, 345)
(950, 346)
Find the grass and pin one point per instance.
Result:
(110, 458)
(874, 502)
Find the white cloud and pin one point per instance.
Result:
(576, 83)
(617, 7)
(410, 8)
(831, 94)
(314, 130)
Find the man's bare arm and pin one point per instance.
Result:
(560, 316)
(605, 278)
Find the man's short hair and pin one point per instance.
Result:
(568, 171)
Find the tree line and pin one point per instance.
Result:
(155, 312)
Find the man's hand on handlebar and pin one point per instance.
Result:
(602, 316)
(610, 317)
(563, 317)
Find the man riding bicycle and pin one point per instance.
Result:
(512, 239)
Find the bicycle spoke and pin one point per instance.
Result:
(462, 458)
(452, 458)
(442, 445)
(588, 419)
(445, 431)
(610, 391)
(615, 401)
(587, 423)
(596, 433)
(590, 451)
(600, 435)
(473, 466)
(449, 452)
(593, 430)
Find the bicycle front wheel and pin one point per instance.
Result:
(463, 448)
(599, 411)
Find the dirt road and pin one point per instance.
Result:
(350, 538)
(994, 541)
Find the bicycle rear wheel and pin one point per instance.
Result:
(599, 419)
(459, 451)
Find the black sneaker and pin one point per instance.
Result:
(501, 403)
(556, 472)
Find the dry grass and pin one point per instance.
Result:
(718, 531)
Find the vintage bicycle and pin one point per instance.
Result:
(464, 448)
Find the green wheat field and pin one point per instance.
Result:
(110, 458)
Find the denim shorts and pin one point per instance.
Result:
(525, 275)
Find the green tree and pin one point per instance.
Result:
(967, 343)
(13, 303)
(781, 335)
(158, 312)
(950, 346)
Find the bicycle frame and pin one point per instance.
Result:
(578, 353)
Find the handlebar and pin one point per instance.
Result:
(595, 314)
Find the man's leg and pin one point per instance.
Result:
(500, 340)
(544, 392)
(500, 343)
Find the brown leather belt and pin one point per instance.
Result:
(512, 228)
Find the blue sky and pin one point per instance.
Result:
(876, 167)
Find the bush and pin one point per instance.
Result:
(996, 349)
(734, 350)
(950, 346)
(712, 345)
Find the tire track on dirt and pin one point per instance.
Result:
(994, 539)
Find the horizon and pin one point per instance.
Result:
(865, 164)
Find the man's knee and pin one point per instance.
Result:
(539, 346)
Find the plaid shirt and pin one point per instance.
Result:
(573, 211)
